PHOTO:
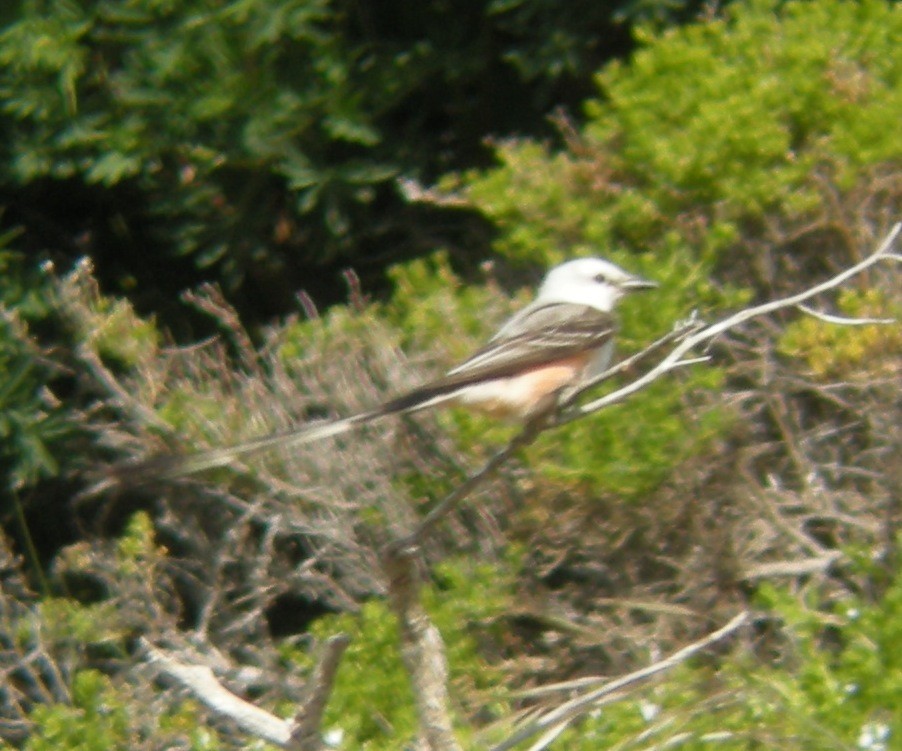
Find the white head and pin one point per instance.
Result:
(589, 281)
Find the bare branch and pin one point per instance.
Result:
(675, 359)
(422, 651)
(843, 320)
(200, 681)
(301, 733)
(573, 708)
(680, 331)
(793, 568)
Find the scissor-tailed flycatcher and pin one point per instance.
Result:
(561, 339)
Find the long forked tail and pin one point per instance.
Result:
(170, 466)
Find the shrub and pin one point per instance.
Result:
(33, 425)
(709, 128)
(260, 138)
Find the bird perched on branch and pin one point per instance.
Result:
(562, 339)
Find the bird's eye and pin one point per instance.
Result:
(600, 278)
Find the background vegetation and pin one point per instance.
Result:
(731, 156)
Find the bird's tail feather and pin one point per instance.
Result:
(170, 466)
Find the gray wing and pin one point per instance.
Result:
(538, 335)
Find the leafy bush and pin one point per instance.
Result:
(32, 425)
(103, 716)
(261, 138)
(708, 128)
(211, 112)
(97, 719)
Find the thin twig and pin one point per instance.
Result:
(581, 704)
(121, 395)
(770, 569)
(843, 320)
(447, 504)
(680, 331)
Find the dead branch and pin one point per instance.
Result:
(202, 683)
(570, 710)
(422, 651)
(300, 734)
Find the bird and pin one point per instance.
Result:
(563, 338)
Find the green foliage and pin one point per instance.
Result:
(31, 426)
(210, 110)
(723, 120)
(742, 110)
(36, 431)
(848, 673)
(263, 136)
(136, 549)
(432, 307)
(97, 719)
(463, 601)
(372, 703)
(66, 621)
(831, 350)
(103, 716)
(40, 433)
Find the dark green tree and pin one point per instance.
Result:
(253, 141)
